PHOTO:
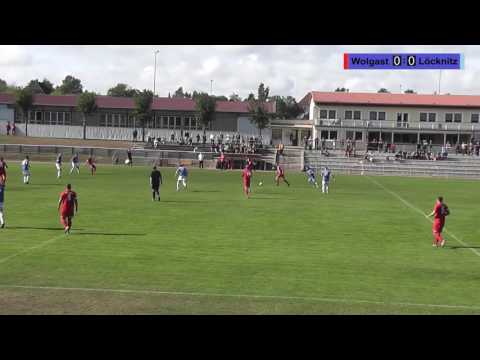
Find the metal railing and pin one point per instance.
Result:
(387, 124)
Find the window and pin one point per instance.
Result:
(432, 117)
(178, 122)
(194, 123)
(457, 117)
(108, 123)
(381, 115)
(474, 118)
(332, 114)
(448, 117)
(61, 118)
(68, 118)
(348, 115)
(186, 121)
(356, 115)
(323, 114)
(171, 122)
(423, 116)
(373, 115)
(103, 120)
(333, 135)
(38, 117)
(358, 135)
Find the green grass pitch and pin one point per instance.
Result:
(359, 250)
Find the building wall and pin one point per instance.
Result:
(391, 112)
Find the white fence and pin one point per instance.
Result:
(107, 133)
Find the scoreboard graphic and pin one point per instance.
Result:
(404, 61)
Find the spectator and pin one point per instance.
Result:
(172, 137)
(14, 129)
(198, 138)
(200, 160)
(212, 139)
(8, 128)
(316, 143)
(155, 143)
(204, 139)
(135, 133)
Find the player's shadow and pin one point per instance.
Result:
(108, 234)
(37, 228)
(462, 247)
(206, 191)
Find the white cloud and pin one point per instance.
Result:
(287, 70)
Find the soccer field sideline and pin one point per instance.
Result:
(413, 207)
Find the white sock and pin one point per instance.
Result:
(178, 183)
(1, 218)
(59, 173)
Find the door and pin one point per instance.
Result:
(402, 120)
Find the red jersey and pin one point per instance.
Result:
(250, 165)
(67, 199)
(3, 171)
(90, 161)
(246, 175)
(439, 211)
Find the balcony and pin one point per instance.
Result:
(387, 124)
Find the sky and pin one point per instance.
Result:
(286, 70)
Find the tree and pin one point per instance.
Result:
(206, 106)
(221, 98)
(179, 93)
(143, 108)
(409, 91)
(234, 97)
(383, 90)
(87, 105)
(287, 107)
(34, 86)
(122, 90)
(3, 85)
(341, 89)
(250, 97)
(46, 86)
(70, 85)
(258, 111)
(24, 101)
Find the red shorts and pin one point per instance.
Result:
(437, 226)
(65, 213)
(246, 184)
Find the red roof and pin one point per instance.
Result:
(110, 102)
(387, 99)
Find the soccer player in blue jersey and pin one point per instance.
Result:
(326, 176)
(182, 176)
(26, 170)
(58, 165)
(75, 163)
(311, 176)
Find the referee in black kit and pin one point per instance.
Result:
(155, 181)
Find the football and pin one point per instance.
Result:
(127, 161)
(260, 183)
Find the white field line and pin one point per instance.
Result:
(413, 207)
(2, 260)
(274, 297)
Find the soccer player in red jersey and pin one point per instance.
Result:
(68, 206)
(249, 165)
(246, 175)
(440, 211)
(3, 171)
(281, 175)
(91, 164)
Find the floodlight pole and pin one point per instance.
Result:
(155, 71)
